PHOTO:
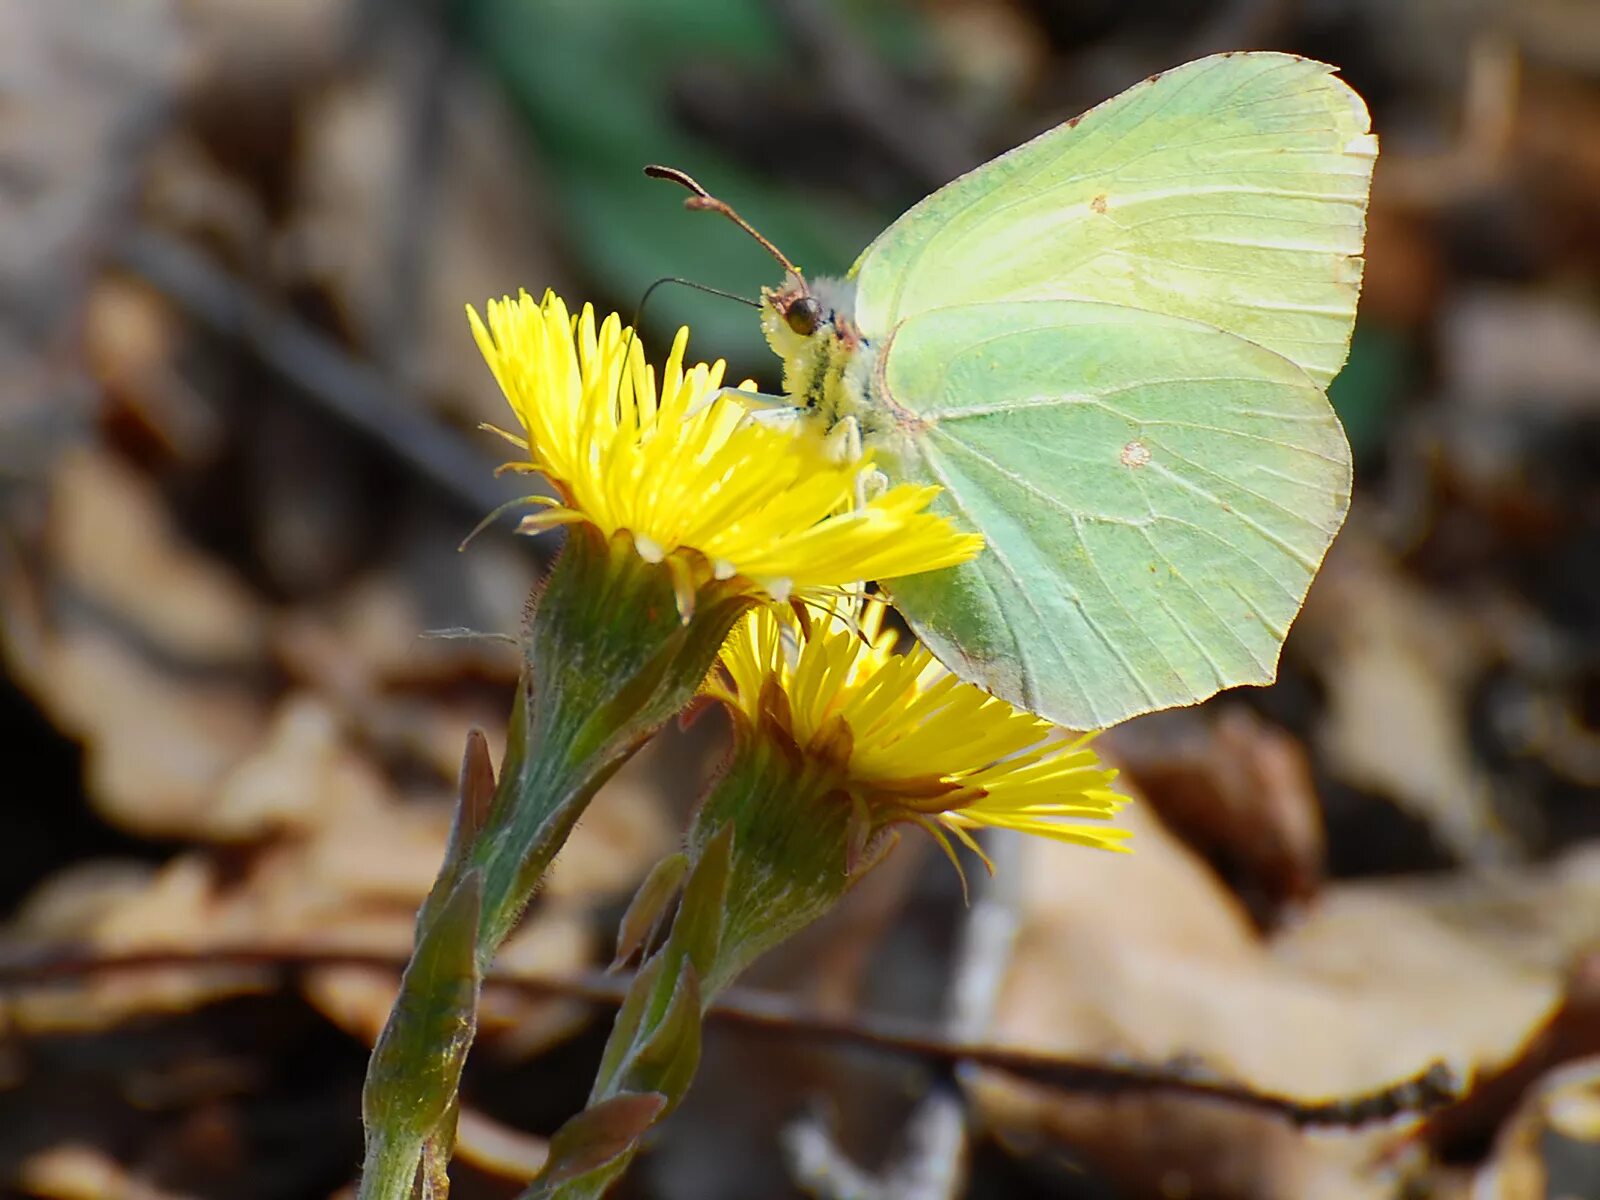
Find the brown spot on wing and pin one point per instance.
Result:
(1099, 204)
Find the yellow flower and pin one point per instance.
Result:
(693, 483)
(909, 740)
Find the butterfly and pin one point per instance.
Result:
(1110, 348)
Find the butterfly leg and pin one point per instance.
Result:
(842, 444)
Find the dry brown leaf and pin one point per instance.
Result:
(1237, 789)
(1395, 663)
(350, 878)
(1367, 990)
(112, 539)
(307, 780)
(1405, 274)
(353, 163)
(81, 81)
(1523, 351)
(1154, 1146)
(75, 899)
(173, 909)
(354, 142)
(375, 634)
(1573, 1032)
(493, 1147)
(552, 940)
(73, 1171)
(356, 999)
(1550, 1150)
(301, 778)
(156, 746)
(384, 856)
(1557, 137)
(132, 337)
(1538, 917)
(251, 39)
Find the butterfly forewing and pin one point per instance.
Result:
(1155, 496)
(1231, 190)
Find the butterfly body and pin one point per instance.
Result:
(828, 364)
(1109, 348)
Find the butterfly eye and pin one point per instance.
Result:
(804, 315)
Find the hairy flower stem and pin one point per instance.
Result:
(768, 848)
(609, 659)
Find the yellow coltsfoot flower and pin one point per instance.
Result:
(683, 516)
(682, 473)
(906, 740)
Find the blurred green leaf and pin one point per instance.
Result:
(1367, 394)
(595, 80)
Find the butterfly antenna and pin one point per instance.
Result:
(638, 315)
(703, 200)
(697, 286)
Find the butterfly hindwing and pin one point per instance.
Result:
(1155, 496)
(1231, 190)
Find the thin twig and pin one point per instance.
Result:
(352, 391)
(761, 1011)
(424, 70)
(932, 1163)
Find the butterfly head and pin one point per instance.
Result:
(801, 312)
(808, 322)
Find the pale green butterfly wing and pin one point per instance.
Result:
(1231, 190)
(1155, 494)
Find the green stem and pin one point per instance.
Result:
(609, 660)
(769, 846)
(389, 1170)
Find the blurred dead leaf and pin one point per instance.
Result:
(132, 337)
(1504, 349)
(1572, 1032)
(374, 633)
(1550, 1150)
(113, 540)
(73, 1171)
(82, 79)
(169, 909)
(1557, 135)
(1236, 789)
(300, 779)
(156, 746)
(493, 1147)
(355, 159)
(1405, 278)
(1559, 31)
(1395, 662)
(1364, 991)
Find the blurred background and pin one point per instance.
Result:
(238, 448)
